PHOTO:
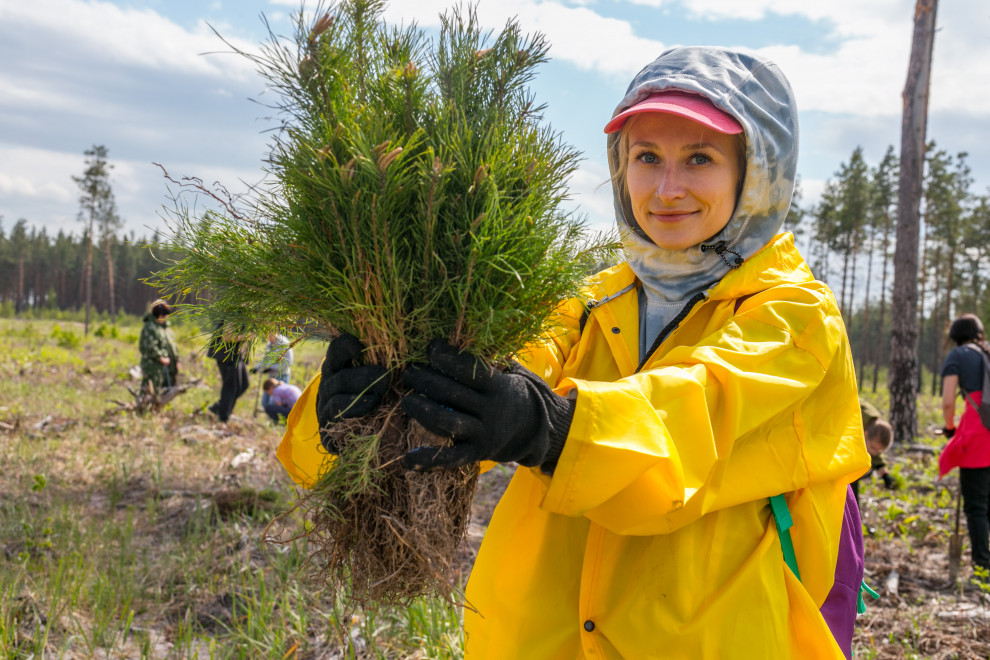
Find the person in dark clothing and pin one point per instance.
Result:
(879, 436)
(969, 442)
(159, 357)
(227, 349)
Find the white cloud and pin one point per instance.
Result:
(104, 33)
(591, 191)
(40, 174)
(141, 84)
(864, 75)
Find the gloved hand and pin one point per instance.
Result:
(888, 481)
(347, 388)
(948, 433)
(490, 414)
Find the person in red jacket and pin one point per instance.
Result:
(969, 441)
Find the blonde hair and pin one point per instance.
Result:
(622, 160)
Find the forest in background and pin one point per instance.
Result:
(848, 238)
(40, 272)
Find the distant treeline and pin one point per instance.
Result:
(43, 272)
(849, 240)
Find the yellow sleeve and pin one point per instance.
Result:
(300, 451)
(765, 404)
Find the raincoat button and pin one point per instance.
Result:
(616, 331)
(589, 625)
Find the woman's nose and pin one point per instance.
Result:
(670, 186)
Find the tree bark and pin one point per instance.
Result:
(89, 275)
(935, 326)
(904, 331)
(113, 307)
(865, 354)
(923, 283)
(19, 306)
(883, 300)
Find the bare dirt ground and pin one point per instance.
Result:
(197, 495)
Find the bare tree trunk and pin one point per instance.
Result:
(113, 307)
(921, 304)
(89, 274)
(904, 331)
(18, 307)
(883, 300)
(865, 352)
(850, 304)
(935, 325)
(946, 318)
(843, 305)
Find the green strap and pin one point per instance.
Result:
(860, 603)
(782, 517)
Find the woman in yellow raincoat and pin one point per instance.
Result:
(689, 384)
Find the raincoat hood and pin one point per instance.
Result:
(754, 92)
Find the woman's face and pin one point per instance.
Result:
(681, 178)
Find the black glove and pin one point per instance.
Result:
(253, 370)
(490, 414)
(347, 389)
(888, 481)
(948, 433)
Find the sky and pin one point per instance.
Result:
(153, 82)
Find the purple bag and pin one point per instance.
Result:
(842, 603)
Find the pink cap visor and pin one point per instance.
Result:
(684, 104)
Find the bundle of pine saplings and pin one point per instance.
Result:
(414, 192)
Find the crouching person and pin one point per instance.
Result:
(280, 398)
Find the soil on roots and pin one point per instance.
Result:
(386, 535)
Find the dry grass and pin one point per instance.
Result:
(142, 537)
(125, 536)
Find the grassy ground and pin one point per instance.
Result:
(921, 613)
(141, 537)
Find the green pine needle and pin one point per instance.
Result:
(415, 192)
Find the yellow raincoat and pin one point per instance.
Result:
(653, 538)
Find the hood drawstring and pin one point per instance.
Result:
(720, 249)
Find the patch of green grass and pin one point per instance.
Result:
(129, 536)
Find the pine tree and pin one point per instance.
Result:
(96, 205)
(946, 199)
(882, 212)
(417, 194)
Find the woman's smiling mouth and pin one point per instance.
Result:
(671, 216)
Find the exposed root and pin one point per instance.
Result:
(387, 535)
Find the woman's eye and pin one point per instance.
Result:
(700, 159)
(647, 157)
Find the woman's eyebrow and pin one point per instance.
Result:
(687, 147)
(700, 145)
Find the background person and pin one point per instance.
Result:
(276, 362)
(879, 436)
(227, 348)
(969, 441)
(159, 357)
(281, 397)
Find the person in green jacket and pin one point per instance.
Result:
(159, 358)
(879, 437)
